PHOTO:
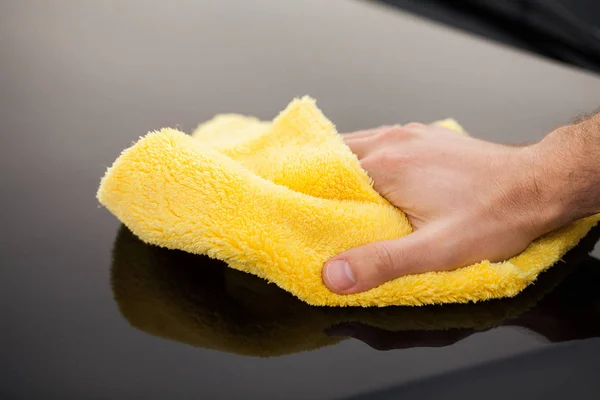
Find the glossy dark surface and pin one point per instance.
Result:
(80, 82)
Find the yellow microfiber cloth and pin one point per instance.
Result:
(278, 199)
(199, 301)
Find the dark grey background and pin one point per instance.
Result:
(79, 81)
(562, 30)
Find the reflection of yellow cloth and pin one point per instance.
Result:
(198, 301)
(279, 199)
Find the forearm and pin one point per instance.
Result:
(567, 171)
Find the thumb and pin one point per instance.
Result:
(365, 267)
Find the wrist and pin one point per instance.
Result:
(564, 190)
(544, 179)
(527, 197)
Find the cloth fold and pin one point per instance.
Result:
(278, 199)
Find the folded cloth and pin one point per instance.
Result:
(278, 199)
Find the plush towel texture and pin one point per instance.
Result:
(199, 301)
(278, 199)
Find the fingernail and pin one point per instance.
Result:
(339, 275)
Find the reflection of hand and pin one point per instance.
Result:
(550, 320)
(381, 339)
(469, 199)
(570, 312)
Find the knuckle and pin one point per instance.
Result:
(387, 160)
(384, 263)
(414, 125)
(367, 163)
(395, 133)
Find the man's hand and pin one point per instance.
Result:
(468, 200)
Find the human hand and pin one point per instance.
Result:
(467, 199)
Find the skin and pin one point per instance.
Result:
(507, 195)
